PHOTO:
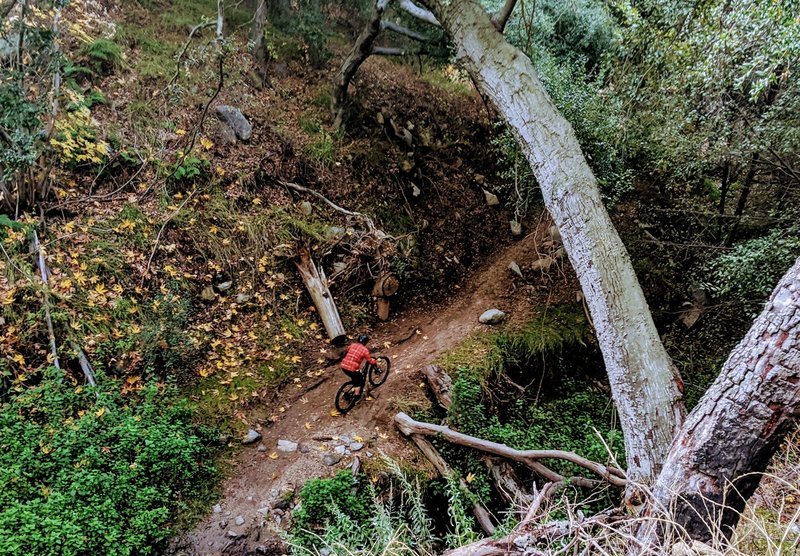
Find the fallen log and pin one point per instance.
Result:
(317, 285)
(610, 474)
(440, 383)
(432, 455)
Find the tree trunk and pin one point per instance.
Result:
(717, 459)
(258, 48)
(361, 51)
(645, 384)
(440, 383)
(317, 286)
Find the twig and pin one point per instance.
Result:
(161, 231)
(195, 29)
(44, 273)
(83, 361)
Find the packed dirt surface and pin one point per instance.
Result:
(262, 482)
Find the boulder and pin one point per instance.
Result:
(492, 316)
(236, 121)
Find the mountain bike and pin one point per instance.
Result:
(375, 375)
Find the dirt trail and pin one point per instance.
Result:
(259, 479)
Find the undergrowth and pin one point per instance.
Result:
(94, 471)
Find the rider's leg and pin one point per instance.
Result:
(357, 378)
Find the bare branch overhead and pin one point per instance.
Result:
(500, 19)
(419, 12)
(397, 28)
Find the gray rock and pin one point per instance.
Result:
(492, 316)
(233, 534)
(306, 208)
(236, 120)
(252, 436)
(261, 448)
(543, 264)
(369, 454)
(274, 492)
(287, 446)
(239, 520)
(356, 446)
(415, 191)
(331, 459)
(224, 286)
(217, 509)
(223, 133)
(514, 267)
(278, 519)
(325, 552)
(516, 228)
(304, 448)
(263, 511)
(208, 294)
(279, 504)
(491, 198)
(341, 450)
(242, 298)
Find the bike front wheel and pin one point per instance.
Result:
(379, 372)
(346, 397)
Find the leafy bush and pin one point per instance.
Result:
(76, 138)
(330, 507)
(90, 471)
(188, 169)
(752, 268)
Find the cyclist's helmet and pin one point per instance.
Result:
(363, 339)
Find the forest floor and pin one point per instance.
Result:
(261, 483)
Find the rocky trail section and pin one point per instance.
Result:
(309, 439)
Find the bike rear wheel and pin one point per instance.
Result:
(378, 373)
(346, 397)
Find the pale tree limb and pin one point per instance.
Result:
(500, 19)
(409, 427)
(83, 361)
(44, 273)
(419, 12)
(400, 30)
(390, 51)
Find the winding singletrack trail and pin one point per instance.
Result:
(258, 480)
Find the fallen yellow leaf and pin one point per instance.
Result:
(273, 455)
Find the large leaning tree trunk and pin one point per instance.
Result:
(717, 460)
(645, 384)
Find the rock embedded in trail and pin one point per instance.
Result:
(356, 446)
(287, 446)
(331, 459)
(239, 520)
(492, 316)
(252, 436)
(217, 509)
(514, 267)
(236, 121)
(261, 448)
(491, 198)
(341, 450)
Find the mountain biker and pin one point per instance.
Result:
(356, 354)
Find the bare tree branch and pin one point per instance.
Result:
(500, 19)
(420, 13)
(409, 427)
(389, 51)
(397, 28)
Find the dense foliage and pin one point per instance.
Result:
(92, 471)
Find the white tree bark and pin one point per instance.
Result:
(717, 460)
(645, 384)
(317, 285)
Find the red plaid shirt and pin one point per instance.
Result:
(356, 354)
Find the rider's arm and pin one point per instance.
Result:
(371, 360)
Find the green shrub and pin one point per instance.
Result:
(752, 268)
(90, 471)
(330, 507)
(188, 169)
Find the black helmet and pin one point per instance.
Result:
(363, 339)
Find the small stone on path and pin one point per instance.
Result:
(492, 316)
(514, 267)
(252, 436)
(217, 509)
(331, 459)
(261, 448)
(341, 450)
(356, 446)
(287, 446)
(491, 198)
(239, 520)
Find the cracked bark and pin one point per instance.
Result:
(717, 460)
